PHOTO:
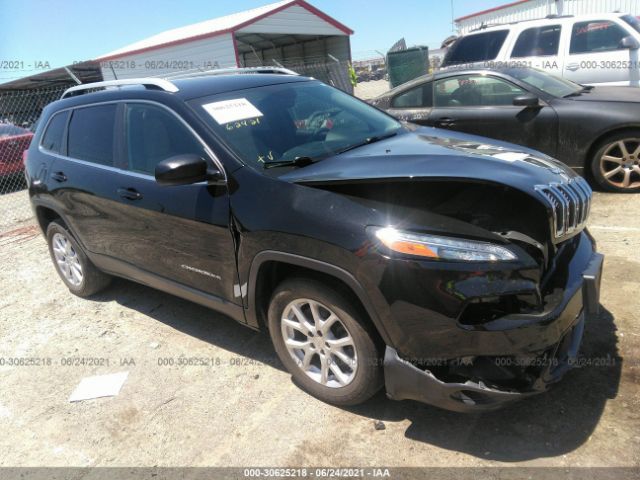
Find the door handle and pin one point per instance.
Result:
(59, 177)
(445, 122)
(129, 193)
(573, 66)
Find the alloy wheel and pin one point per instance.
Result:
(67, 259)
(620, 163)
(319, 343)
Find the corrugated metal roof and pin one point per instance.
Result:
(491, 10)
(216, 26)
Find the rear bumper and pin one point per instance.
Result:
(405, 381)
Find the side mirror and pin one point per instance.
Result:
(526, 100)
(630, 43)
(185, 170)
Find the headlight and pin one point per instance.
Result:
(445, 248)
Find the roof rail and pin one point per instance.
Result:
(157, 83)
(230, 71)
(551, 16)
(555, 15)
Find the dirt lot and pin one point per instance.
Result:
(371, 89)
(244, 409)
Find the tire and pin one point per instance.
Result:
(615, 165)
(81, 277)
(347, 343)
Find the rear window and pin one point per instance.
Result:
(52, 140)
(476, 48)
(418, 97)
(91, 134)
(537, 42)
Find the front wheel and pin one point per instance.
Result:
(616, 163)
(324, 342)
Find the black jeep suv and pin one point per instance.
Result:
(453, 269)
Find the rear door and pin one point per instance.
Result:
(483, 105)
(595, 54)
(181, 232)
(84, 179)
(539, 47)
(414, 104)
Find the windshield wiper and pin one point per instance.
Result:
(577, 93)
(367, 141)
(296, 162)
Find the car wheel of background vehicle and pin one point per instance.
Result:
(616, 163)
(75, 269)
(323, 342)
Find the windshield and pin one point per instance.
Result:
(285, 122)
(558, 87)
(633, 21)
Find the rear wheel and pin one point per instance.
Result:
(74, 268)
(616, 163)
(324, 342)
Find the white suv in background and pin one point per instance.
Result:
(595, 49)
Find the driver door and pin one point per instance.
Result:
(596, 55)
(483, 105)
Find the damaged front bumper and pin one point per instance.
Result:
(406, 381)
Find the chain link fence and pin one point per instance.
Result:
(19, 112)
(332, 72)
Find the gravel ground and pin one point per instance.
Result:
(243, 409)
(14, 208)
(371, 89)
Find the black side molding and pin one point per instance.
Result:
(128, 271)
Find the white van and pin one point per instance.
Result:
(594, 49)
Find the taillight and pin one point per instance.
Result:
(24, 157)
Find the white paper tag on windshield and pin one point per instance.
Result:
(232, 110)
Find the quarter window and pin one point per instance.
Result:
(537, 42)
(476, 48)
(91, 134)
(596, 36)
(418, 97)
(474, 90)
(52, 140)
(153, 135)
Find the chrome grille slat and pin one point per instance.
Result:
(564, 214)
(574, 201)
(570, 204)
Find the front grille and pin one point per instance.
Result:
(570, 203)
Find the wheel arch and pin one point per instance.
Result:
(269, 267)
(593, 147)
(45, 215)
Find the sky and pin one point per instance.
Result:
(38, 34)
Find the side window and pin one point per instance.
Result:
(537, 42)
(91, 134)
(474, 90)
(596, 36)
(476, 48)
(154, 134)
(418, 97)
(52, 140)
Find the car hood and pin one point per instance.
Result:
(431, 153)
(610, 94)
